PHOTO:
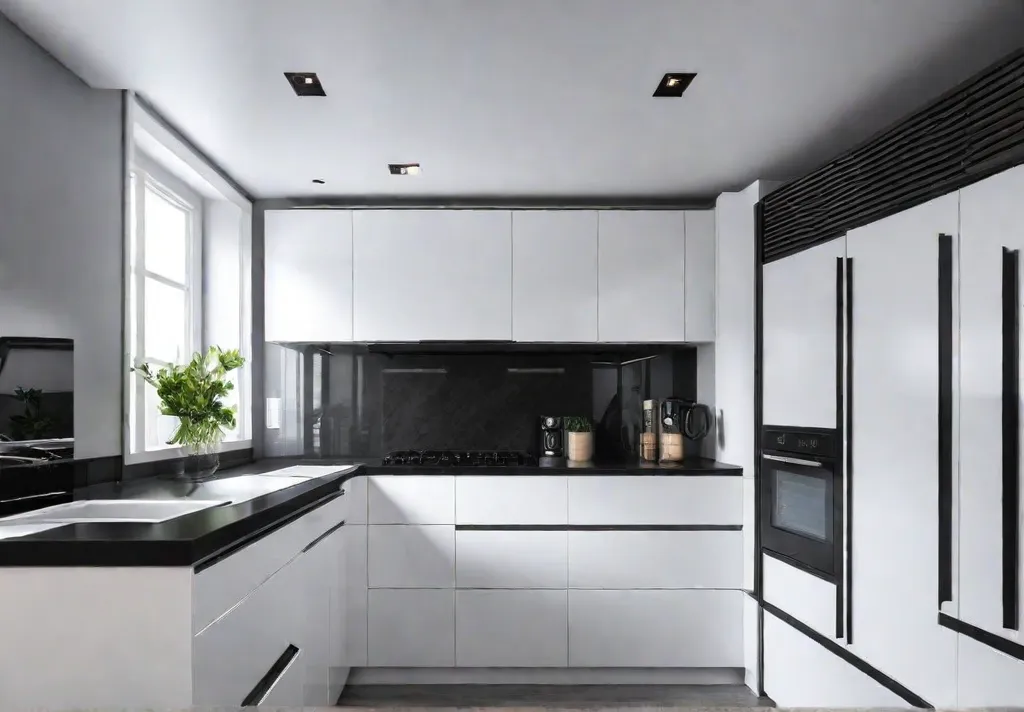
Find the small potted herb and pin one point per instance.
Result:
(579, 439)
(193, 393)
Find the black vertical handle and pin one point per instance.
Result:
(1011, 439)
(840, 535)
(945, 419)
(848, 472)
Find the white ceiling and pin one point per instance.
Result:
(524, 97)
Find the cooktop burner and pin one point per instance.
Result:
(459, 458)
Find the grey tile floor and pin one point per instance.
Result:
(550, 696)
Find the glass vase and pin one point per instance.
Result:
(201, 461)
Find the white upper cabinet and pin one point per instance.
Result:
(554, 275)
(308, 279)
(699, 280)
(423, 275)
(991, 219)
(641, 257)
(801, 309)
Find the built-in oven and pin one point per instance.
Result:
(802, 498)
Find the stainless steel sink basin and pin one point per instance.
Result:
(114, 510)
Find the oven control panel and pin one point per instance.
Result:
(818, 442)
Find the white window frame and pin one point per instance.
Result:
(147, 172)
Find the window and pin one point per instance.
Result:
(165, 306)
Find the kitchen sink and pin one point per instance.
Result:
(114, 510)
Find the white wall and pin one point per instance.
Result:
(61, 178)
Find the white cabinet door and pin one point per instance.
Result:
(655, 500)
(991, 218)
(641, 256)
(308, 278)
(356, 591)
(494, 499)
(655, 559)
(411, 628)
(511, 629)
(411, 499)
(432, 274)
(895, 447)
(411, 556)
(655, 628)
(699, 280)
(234, 653)
(554, 275)
(318, 569)
(800, 312)
(510, 559)
(798, 672)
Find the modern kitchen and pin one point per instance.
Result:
(302, 406)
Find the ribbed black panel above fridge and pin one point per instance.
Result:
(969, 133)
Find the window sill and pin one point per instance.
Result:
(174, 453)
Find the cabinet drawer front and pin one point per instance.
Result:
(511, 629)
(655, 628)
(656, 559)
(411, 499)
(511, 500)
(411, 556)
(510, 559)
(655, 500)
(231, 656)
(216, 589)
(410, 628)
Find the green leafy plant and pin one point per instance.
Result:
(577, 424)
(194, 393)
(31, 425)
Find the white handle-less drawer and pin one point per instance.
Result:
(411, 499)
(492, 499)
(655, 559)
(653, 500)
(217, 588)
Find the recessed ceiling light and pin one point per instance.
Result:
(674, 84)
(305, 83)
(319, 181)
(404, 169)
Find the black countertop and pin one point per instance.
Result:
(195, 539)
(690, 467)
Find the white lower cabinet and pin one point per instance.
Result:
(798, 672)
(234, 653)
(411, 556)
(510, 559)
(285, 641)
(508, 628)
(656, 628)
(652, 500)
(655, 559)
(411, 628)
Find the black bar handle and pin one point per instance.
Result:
(848, 471)
(840, 536)
(1011, 439)
(945, 419)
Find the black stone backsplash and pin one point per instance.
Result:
(347, 401)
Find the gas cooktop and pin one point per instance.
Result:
(459, 458)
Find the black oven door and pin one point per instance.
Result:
(801, 514)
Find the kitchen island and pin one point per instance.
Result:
(274, 596)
